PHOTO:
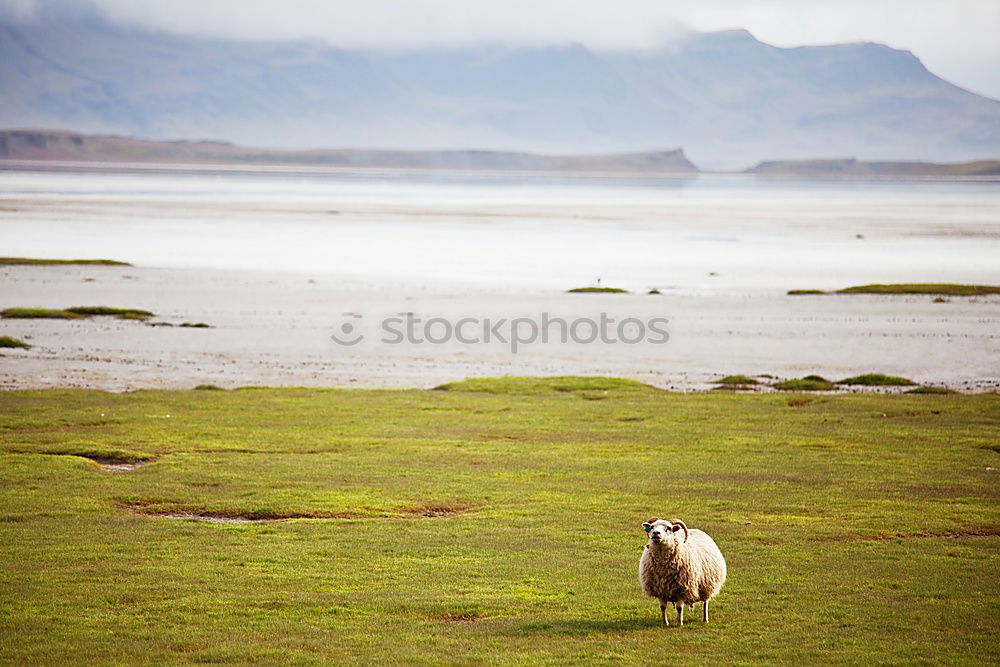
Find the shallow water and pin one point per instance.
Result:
(514, 232)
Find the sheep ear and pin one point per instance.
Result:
(675, 527)
(647, 526)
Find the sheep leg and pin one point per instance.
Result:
(704, 611)
(680, 614)
(663, 612)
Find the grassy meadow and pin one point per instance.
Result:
(944, 289)
(494, 522)
(34, 261)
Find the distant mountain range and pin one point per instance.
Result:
(18, 147)
(727, 98)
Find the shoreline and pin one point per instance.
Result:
(272, 329)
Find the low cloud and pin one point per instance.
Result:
(956, 39)
(401, 24)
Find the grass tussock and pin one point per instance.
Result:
(121, 313)
(39, 314)
(737, 380)
(208, 387)
(946, 289)
(195, 325)
(807, 383)
(923, 288)
(76, 313)
(878, 380)
(8, 341)
(30, 261)
(931, 390)
(597, 290)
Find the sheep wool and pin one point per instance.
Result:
(680, 567)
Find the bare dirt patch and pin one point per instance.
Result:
(170, 510)
(989, 532)
(799, 401)
(984, 533)
(457, 618)
(438, 511)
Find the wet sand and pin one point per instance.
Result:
(275, 329)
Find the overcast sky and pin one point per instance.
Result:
(957, 39)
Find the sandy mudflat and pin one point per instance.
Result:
(274, 329)
(297, 259)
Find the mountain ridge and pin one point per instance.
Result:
(859, 169)
(64, 145)
(728, 98)
(25, 146)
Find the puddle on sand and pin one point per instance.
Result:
(112, 463)
(121, 467)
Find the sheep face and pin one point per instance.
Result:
(662, 532)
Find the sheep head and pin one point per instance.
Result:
(661, 531)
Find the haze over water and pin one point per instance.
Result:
(514, 232)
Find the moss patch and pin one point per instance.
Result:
(39, 313)
(923, 288)
(7, 341)
(737, 380)
(589, 387)
(878, 380)
(75, 313)
(807, 383)
(597, 290)
(121, 313)
(16, 261)
(909, 288)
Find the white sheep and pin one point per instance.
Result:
(680, 571)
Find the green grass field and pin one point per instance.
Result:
(75, 313)
(598, 290)
(933, 288)
(494, 523)
(10, 342)
(32, 261)
(908, 288)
